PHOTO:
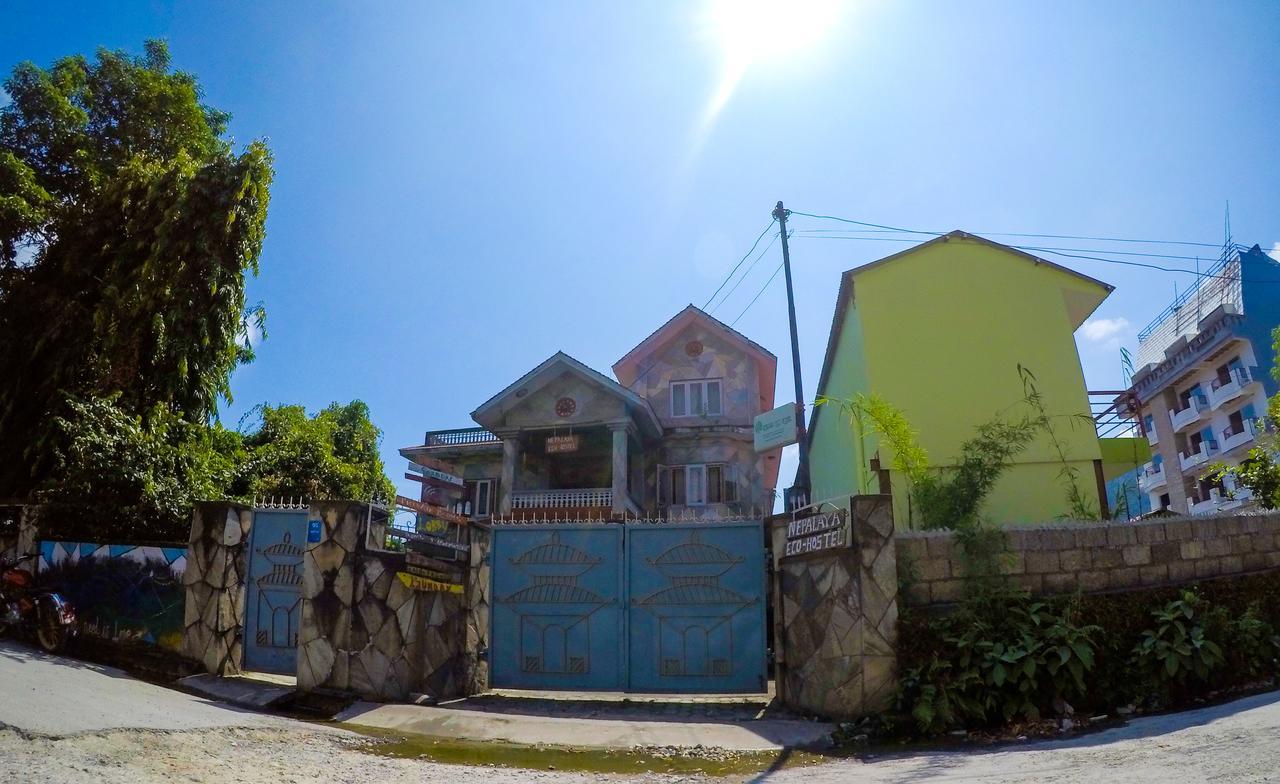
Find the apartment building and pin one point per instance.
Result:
(1203, 379)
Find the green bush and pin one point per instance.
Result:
(1176, 653)
(1009, 660)
(1007, 656)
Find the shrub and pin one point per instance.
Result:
(1177, 653)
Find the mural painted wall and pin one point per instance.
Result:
(121, 592)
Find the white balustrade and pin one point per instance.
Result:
(563, 499)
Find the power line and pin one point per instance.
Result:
(1012, 234)
(757, 296)
(831, 235)
(739, 264)
(1038, 249)
(746, 272)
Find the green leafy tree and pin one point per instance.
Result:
(128, 225)
(331, 455)
(1260, 470)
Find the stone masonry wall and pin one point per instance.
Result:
(214, 584)
(838, 618)
(476, 645)
(1099, 557)
(365, 631)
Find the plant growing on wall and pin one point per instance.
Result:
(1081, 508)
(1260, 471)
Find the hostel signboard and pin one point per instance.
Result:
(817, 533)
(775, 428)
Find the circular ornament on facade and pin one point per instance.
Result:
(565, 406)
(693, 348)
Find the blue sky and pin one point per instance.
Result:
(464, 188)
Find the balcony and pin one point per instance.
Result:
(1206, 507)
(463, 436)
(1224, 392)
(1195, 407)
(1199, 457)
(1152, 477)
(1152, 438)
(1239, 497)
(1236, 437)
(588, 502)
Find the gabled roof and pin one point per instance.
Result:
(541, 375)
(846, 288)
(627, 368)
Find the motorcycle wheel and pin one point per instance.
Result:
(51, 634)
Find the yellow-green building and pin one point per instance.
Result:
(939, 331)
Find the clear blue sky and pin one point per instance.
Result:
(464, 188)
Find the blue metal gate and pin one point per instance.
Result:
(273, 597)
(557, 616)
(638, 607)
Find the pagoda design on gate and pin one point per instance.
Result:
(279, 595)
(553, 610)
(694, 612)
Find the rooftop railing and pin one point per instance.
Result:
(462, 436)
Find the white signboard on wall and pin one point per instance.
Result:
(776, 428)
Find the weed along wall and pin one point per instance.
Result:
(836, 608)
(1097, 557)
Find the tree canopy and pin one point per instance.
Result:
(127, 227)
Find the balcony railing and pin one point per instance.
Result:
(1200, 456)
(1234, 437)
(563, 499)
(463, 436)
(1239, 497)
(1151, 478)
(1221, 392)
(1195, 407)
(1205, 507)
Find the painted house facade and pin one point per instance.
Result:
(1202, 382)
(670, 434)
(939, 331)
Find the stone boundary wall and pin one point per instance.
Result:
(1098, 557)
(836, 617)
(213, 582)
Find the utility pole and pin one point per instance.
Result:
(798, 494)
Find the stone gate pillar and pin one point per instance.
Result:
(837, 617)
(214, 582)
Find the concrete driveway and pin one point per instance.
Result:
(56, 696)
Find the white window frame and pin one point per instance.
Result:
(697, 484)
(470, 505)
(698, 388)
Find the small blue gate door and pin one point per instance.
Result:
(273, 600)
(696, 616)
(557, 615)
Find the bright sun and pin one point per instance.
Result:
(750, 32)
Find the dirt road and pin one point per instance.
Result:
(81, 724)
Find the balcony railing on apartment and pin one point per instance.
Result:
(1201, 456)
(463, 436)
(1196, 406)
(1152, 477)
(1221, 392)
(1234, 437)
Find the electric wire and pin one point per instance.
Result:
(739, 264)
(830, 236)
(757, 296)
(746, 272)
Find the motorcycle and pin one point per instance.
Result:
(34, 613)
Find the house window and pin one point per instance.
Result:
(1164, 501)
(698, 485)
(477, 503)
(1149, 424)
(695, 398)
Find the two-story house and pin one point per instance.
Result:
(669, 435)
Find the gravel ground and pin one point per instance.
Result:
(1235, 742)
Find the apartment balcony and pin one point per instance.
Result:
(1152, 438)
(1201, 456)
(1239, 380)
(1152, 476)
(1206, 507)
(1196, 407)
(587, 502)
(1239, 497)
(1234, 438)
